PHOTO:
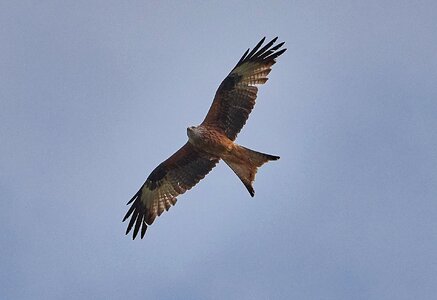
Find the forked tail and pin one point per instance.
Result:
(245, 163)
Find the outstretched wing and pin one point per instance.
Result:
(179, 173)
(235, 97)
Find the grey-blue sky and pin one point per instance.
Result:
(94, 95)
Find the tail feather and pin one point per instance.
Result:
(245, 163)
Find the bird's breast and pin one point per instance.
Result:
(210, 140)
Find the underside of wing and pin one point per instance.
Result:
(173, 177)
(236, 95)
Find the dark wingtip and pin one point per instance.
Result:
(143, 230)
(277, 54)
(272, 157)
(250, 189)
(255, 49)
(132, 221)
(138, 225)
(277, 47)
(129, 212)
(134, 197)
(243, 57)
(267, 52)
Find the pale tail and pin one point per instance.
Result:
(245, 163)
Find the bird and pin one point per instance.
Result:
(211, 141)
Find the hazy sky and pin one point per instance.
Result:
(95, 94)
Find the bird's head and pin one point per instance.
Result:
(190, 131)
(194, 133)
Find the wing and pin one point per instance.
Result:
(235, 97)
(179, 173)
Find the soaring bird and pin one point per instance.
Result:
(210, 141)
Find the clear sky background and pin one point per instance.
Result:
(95, 94)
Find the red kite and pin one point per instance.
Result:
(210, 141)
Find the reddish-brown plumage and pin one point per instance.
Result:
(210, 141)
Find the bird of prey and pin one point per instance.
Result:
(211, 141)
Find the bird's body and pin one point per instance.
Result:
(210, 141)
(244, 162)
